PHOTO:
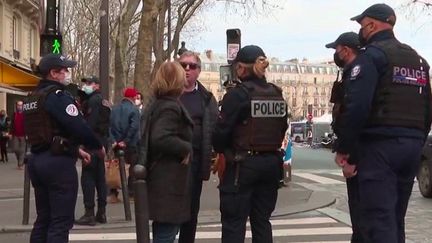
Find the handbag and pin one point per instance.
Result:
(112, 171)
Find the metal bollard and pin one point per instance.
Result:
(120, 155)
(26, 196)
(141, 205)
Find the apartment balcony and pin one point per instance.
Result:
(30, 8)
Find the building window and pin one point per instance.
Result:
(1, 25)
(304, 113)
(315, 101)
(315, 112)
(322, 112)
(294, 102)
(32, 42)
(16, 32)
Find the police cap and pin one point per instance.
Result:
(53, 61)
(249, 54)
(91, 79)
(349, 39)
(379, 11)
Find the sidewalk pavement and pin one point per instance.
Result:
(292, 199)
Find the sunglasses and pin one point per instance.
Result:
(192, 66)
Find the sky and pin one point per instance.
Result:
(301, 28)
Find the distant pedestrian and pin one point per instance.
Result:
(18, 134)
(139, 102)
(4, 135)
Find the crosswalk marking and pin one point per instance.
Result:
(216, 235)
(295, 227)
(317, 178)
(275, 222)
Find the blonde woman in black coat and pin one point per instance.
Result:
(169, 144)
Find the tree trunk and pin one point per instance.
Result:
(143, 60)
(121, 43)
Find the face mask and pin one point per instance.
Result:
(362, 39)
(87, 89)
(137, 102)
(19, 109)
(338, 61)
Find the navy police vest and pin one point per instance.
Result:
(402, 96)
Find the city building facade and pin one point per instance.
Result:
(306, 86)
(19, 47)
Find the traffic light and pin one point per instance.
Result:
(233, 43)
(51, 43)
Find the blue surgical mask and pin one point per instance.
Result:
(87, 89)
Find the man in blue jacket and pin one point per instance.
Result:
(124, 131)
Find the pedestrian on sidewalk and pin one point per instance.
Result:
(250, 140)
(55, 130)
(96, 112)
(287, 160)
(4, 135)
(169, 132)
(124, 134)
(347, 49)
(18, 141)
(202, 108)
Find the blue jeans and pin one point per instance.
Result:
(164, 232)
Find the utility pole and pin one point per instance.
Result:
(104, 49)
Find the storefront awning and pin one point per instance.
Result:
(14, 76)
(4, 88)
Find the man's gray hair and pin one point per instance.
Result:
(191, 54)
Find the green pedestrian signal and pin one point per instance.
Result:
(56, 47)
(51, 43)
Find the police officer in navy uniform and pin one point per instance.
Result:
(250, 131)
(346, 56)
(96, 112)
(388, 116)
(55, 130)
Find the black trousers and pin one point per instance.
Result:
(188, 229)
(386, 172)
(55, 183)
(3, 149)
(254, 196)
(354, 208)
(93, 179)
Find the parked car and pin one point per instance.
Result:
(424, 175)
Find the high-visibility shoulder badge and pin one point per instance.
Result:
(355, 71)
(268, 108)
(72, 110)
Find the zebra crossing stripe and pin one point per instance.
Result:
(319, 179)
(216, 235)
(297, 221)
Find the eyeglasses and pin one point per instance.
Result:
(192, 66)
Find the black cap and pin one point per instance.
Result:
(92, 79)
(249, 54)
(349, 39)
(52, 61)
(379, 11)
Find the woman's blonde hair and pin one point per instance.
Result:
(169, 80)
(258, 68)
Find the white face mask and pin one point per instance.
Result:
(68, 79)
(137, 102)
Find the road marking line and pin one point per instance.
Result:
(319, 179)
(297, 221)
(216, 235)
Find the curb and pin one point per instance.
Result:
(316, 200)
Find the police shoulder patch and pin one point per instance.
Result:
(72, 110)
(355, 71)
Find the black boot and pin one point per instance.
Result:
(88, 218)
(101, 216)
